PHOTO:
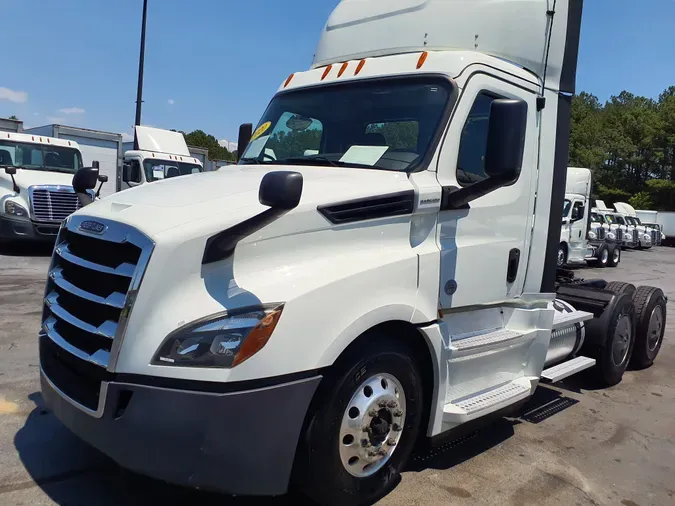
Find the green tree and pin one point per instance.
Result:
(201, 139)
(641, 200)
(13, 117)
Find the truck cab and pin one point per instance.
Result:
(158, 154)
(617, 223)
(647, 236)
(583, 238)
(36, 193)
(379, 268)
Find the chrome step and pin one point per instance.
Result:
(564, 319)
(482, 338)
(567, 369)
(487, 401)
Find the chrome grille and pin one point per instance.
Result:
(636, 238)
(619, 235)
(655, 237)
(53, 203)
(602, 233)
(91, 286)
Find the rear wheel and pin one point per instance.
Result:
(650, 313)
(614, 255)
(562, 255)
(620, 287)
(613, 338)
(362, 428)
(602, 256)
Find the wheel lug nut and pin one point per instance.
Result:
(365, 428)
(398, 412)
(365, 443)
(392, 404)
(396, 427)
(372, 413)
(382, 404)
(382, 452)
(391, 442)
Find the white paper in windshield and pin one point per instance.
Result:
(158, 171)
(256, 146)
(364, 155)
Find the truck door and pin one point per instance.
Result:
(484, 247)
(578, 224)
(566, 220)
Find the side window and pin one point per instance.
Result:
(135, 170)
(578, 211)
(401, 135)
(473, 142)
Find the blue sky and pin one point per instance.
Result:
(213, 64)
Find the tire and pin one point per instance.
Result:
(614, 255)
(327, 468)
(611, 338)
(620, 287)
(602, 257)
(562, 256)
(650, 316)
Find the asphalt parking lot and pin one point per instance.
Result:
(574, 444)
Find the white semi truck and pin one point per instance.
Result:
(390, 275)
(583, 238)
(36, 192)
(157, 154)
(647, 236)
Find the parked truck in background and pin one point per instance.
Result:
(158, 154)
(617, 222)
(664, 221)
(583, 239)
(36, 192)
(647, 236)
(390, 275)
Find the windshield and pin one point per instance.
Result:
(566, 208)
(597, 218)
(610, 219)
(620, 220)
(384, 124)
(39, 157)
(637, 221)
(161, 169)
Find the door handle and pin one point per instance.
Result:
(514, 261)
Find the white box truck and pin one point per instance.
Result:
(391, 274)
(36, 192)
(584, 238)
(157, 154)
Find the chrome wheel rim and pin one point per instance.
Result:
(372, 425)
(655, 329)
(604, 256)
(561, 257)
(621, 342)
(616, 255)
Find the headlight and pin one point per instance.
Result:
(15, 209)
(592, 235)
(223, 340)
(611, 236)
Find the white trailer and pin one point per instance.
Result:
(388, 275)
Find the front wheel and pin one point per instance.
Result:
(602, 256)
(562, 256)
(614, 256)
(362, 427)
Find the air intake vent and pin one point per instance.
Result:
(395, 204)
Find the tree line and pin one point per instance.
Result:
(629, 144)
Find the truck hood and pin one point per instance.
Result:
(220, 199)
(25, 178)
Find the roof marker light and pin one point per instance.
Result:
(343, 68)
(40, 139)
(423, 58)
(288, 80)
(326, 72)
(359, 67)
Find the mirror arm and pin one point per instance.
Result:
(15, 186)
(458, 198)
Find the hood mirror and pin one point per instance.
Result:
(298, 123)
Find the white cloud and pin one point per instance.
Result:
(171, 101)
(230, 146)
(127, 137)
(55, 119)
(72, 110)
(18, 97)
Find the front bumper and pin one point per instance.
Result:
(23, 229)
(240, 443)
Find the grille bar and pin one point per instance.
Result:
(107, 329)
(126, 270)
(53, 203)
(99, 358)
(115, 299)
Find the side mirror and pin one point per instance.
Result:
(506, 139)
(103, 178)
(84, 180)
(281, 190)
(578, 213)
(126, 172)
(10, 170)
(245, 133)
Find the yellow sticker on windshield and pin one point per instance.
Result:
(261, 130)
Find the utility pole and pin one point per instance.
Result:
(139, 94)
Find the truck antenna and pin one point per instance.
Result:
(139, 93)
(550, 14)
